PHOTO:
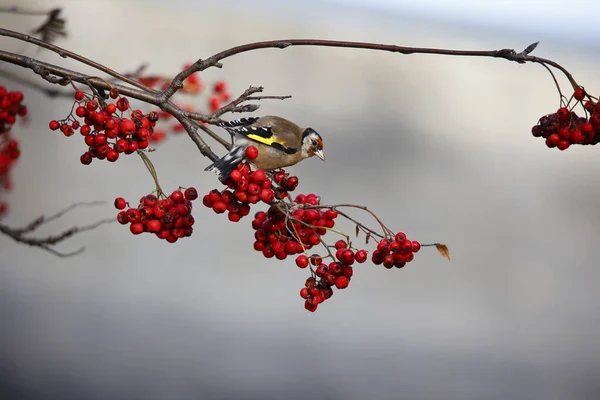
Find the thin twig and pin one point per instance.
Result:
(42, 219)
(47, 242)
(69, 54)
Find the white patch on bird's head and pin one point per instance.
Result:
(312, 144)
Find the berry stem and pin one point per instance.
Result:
(360, 225)
(152, 171)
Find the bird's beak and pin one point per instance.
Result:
(319, 153)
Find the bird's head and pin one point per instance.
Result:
(312, 144)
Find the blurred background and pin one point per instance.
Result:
(440, 147)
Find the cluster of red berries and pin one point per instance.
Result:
(10, 109)
(396, 252)
(564, 128)
(104, 129)
(279, 234)
(319, 288)
(169, 218)
(247, 187)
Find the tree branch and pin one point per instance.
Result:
(214, 61)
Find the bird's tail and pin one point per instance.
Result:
(228, 162)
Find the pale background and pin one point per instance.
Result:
(438, 146)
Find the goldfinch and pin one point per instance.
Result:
(280, 143)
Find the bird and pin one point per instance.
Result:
(280, 143)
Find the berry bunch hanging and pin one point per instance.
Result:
(105, 128)
(565, 128)
(169, 218)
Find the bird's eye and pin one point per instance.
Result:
(314, 143)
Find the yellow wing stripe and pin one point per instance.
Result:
(260, 139)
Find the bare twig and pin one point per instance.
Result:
(47, 243)
(42, 219)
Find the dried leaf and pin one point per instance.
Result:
(443, 249)
(368, 237)
(357, 230)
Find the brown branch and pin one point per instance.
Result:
(215, 60)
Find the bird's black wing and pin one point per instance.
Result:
(239, 122)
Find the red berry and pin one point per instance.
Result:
(191, 193)
(219, 207)
(86, 158)
(251, 153)
(267, 196)
(234, 217)
(406, 246)
(54, 125)
(347, 257)
(220, 87)
(340, 244)
(553, 140)
(563, 145)
(111, 108)
(177, 196)
(342, 282)
(310, 306)
(579, 94)
(127, 126)
(122, 218)
(563, 114)
(400, 236)
(120, 203)
(331, 214)
(134, 215)
(123, 104)
(153, 225)
(416, 246)
(388, 261)
(136, 228)
(360, 256)
(302, 261)
(258, 176)
(215, 103)
(112, 155)
(91, 105)
(79, 95)
(576, 137)
(235, 175)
